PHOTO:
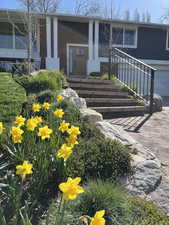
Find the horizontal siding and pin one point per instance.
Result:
(151, 44)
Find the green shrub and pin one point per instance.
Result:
(95, 74)
(105, 76)
(97, 157)
(44, 80)
(12, 95)
(46, 96)
(146, 213)
(101, 195)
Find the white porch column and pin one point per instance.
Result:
(55, 34)
(48, 36)
(52, 62)
(93, 64)
(90, 40)
(96, 40)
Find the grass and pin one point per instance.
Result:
(12, 95)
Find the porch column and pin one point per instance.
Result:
(52, 60)
(48, 36)
(90, 40)
(93, 64)
(96, 40)
(55, 38)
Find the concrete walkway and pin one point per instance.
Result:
(154, 134)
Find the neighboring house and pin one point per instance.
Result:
(79, 45)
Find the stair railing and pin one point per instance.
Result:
(132, 73)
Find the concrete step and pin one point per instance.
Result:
(108, 102)
(86, 86)
(123, 111)
(119, 109)
(101, 94)
(88, 81)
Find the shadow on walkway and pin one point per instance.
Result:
(132, 124)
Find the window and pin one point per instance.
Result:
(13, 37)
(6, 35)
(20, 36)
(124, 37)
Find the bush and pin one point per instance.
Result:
(45, 96)
(95, 74)
(12, 95)
(105, 76)
(97, 157)
(44, 80)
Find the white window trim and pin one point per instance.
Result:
(167, 37)
(124, 28)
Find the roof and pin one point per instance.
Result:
(81, 18)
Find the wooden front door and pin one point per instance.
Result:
(78, 60)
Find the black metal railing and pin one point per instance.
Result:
(137, 76)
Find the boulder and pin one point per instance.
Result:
(157, 103)
(90, 115)
(68, 93)
(73, 97)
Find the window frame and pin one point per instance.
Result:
(167, 39)
(134, 28)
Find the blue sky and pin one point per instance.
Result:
(155, 7)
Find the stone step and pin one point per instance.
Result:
(86, 86)
(119, 112)
(88, 81)
(101, 94)
(108, 102)
(119, 109)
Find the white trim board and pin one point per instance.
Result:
(67, 52)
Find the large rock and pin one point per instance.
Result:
(90, 115)
(73, 97)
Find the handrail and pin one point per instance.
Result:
(134, 74)
(124, 53)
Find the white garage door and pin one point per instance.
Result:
(161, 85)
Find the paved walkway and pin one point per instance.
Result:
(154, 134)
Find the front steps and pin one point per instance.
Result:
(109, 99)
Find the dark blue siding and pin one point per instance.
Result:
(151, 43)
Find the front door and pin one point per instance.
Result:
(78, 61)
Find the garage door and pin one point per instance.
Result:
(161, 85)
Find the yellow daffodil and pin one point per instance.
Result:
(44, 132)
(59, 113)
(72, 140)
(71, 188)
(36, 107)
(16, 131)
(64, 126)
(64, 152)
(59, 98)
(20, 120)
(74, 131)
(24, 169)
(17, 139)
(38, 119)
(31, 124)
(46, 105)
(98, 218)
(1, 127)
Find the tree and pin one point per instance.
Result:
(43, 6)
(127, 15)
(87, 7)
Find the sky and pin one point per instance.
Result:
(156, 7)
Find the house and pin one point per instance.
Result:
(79, 45)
